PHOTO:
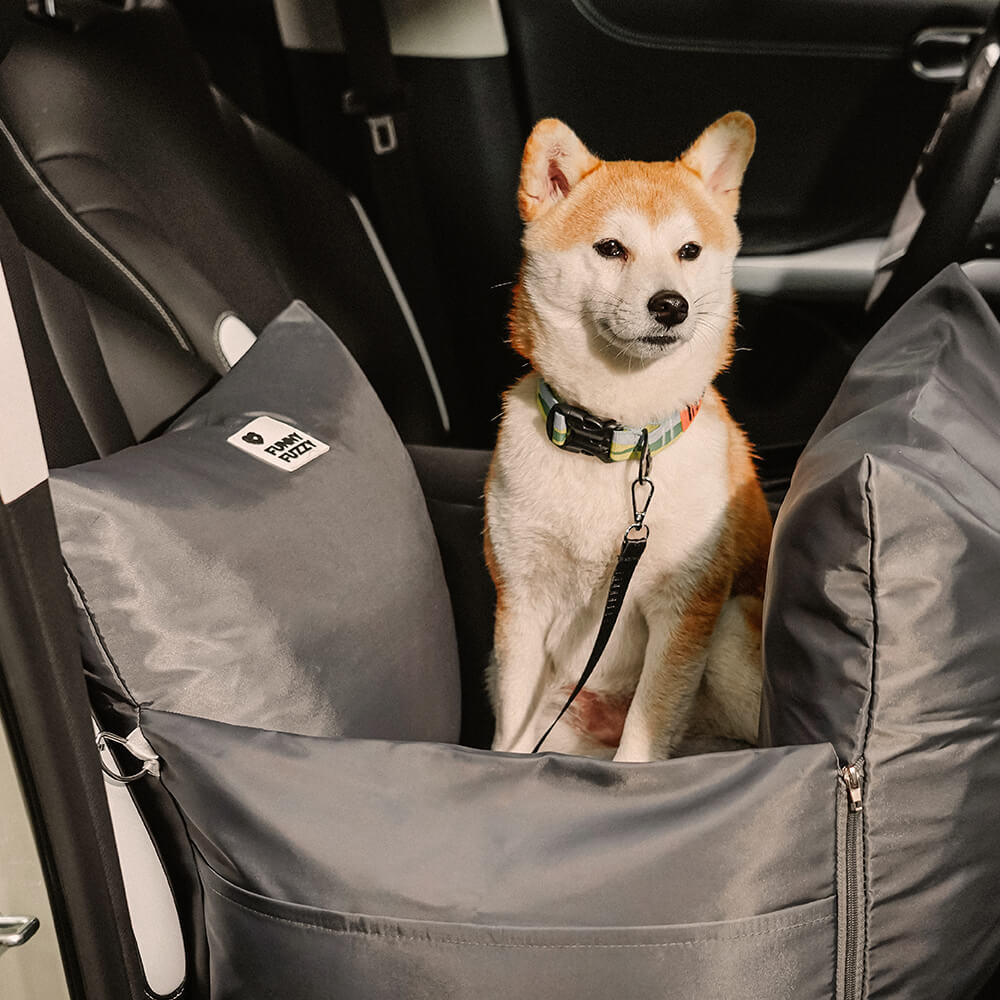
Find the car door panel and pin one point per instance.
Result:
(840, 115)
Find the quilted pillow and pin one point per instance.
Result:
(269, 560)
(882, 636)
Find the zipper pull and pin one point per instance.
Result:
(851, 775)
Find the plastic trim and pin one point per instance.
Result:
(844, 271)
(438, 29)
(233, 338)
(151, 906)
(22, 454)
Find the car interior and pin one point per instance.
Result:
(193, 192)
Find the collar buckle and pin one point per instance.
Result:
(585, 433)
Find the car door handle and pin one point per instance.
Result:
(15, 931)
(941, 55)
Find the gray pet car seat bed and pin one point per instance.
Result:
(283, 639)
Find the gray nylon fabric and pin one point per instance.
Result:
(251, 618)
(212, 584)
(378, 959)
(882, 633)
(381, 869)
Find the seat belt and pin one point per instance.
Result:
(378, 98)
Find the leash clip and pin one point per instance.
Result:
(638, 530)
(639, 511)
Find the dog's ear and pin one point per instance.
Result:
(719, 156)
(554, 161)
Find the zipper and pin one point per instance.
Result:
(852, 777)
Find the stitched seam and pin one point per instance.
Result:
(510, 944)
(872, 544)
(91, 237)
(119, 178)
(870, 512)
(98, 634)
(869, 722)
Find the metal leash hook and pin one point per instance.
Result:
(642, 481)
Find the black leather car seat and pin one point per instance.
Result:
(147, 210)
(139, 190)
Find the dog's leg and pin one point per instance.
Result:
(663, 702)
(727, 709)
(672, 670)
(517, 676)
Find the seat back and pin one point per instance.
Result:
(147, 213)
(149, 190)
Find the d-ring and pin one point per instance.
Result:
(148, 766)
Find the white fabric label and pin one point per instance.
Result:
(279, 444)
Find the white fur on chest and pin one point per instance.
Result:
(625, 306)
(556, 525)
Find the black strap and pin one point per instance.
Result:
(628, 558)
(378, 97)
(376, 89)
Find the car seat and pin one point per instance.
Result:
(142, 184)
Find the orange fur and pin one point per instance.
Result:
(654, 190)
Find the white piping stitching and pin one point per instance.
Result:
(90, 237)
(404, 308)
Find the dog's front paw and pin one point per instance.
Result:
(633, 755)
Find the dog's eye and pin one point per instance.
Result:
(689, 251)
(611, 248)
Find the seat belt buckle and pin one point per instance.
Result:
(381, 126)
(382, 129)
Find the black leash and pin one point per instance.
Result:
(633, 546)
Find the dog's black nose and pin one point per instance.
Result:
(668, 308)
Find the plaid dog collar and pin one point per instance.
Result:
(573, 429)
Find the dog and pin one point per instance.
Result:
(625, 309)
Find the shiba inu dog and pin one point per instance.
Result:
(625, 309)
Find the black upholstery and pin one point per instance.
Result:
(152, 193)
(145, 206)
